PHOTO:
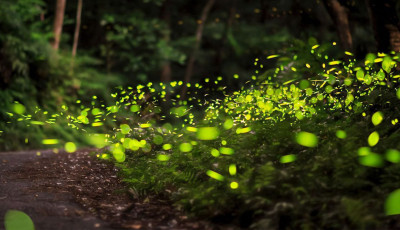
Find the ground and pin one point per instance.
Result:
(77, 191)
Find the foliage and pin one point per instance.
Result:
(280, 153)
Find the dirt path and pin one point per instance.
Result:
(77, 191)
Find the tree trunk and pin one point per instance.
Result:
(341, 19)
(199, 34)
(58, 23)
(386, 24)
(166, 64)
(77, 28)
(228, 27)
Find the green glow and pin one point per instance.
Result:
(191, 129)
(50, 141)
(18, 108)
(118, 152)
(377, 118)
(232, 169)
(125, 129)
(228, 124)
(17, 220)
(373, 138)
(288, 158)
(215, 152)
(215, 175)
(158, 140)
(167, 146)
(135, 108)
(234, 185)
(363, 151)
(146, 125)
(70, 147)
(226, 151)
(371, 160)
(97, 140)
(307, 139)
(185, 147)
(392, 203)
(207, 133)
(162, 157)
(341, 134)
(243, 130)
(393, 156)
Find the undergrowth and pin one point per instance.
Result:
(311, 144)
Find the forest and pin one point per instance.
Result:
(211, 114)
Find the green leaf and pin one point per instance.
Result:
(17, 220)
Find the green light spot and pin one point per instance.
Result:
(341, 134)
(146, 125)
(207, 133)
(118, 152)
(226, 151)
(393, 156)
(307, 139)
(215, 152)
(234, 185)
(162, 157)
(70, 147)
(50, 141)
(191, 129)
(167, 146)
(243, 130)
(232, 169)
(228, 124)
(158, 140)
(288, 158)
(363, 151)
(185, 147)
(392, 203)
(18, 108)
(371, 160)
(37, 123)
(360, 74)
(125, 129)
(96, 111)
(373, 138)
(377, 118)
(17, 220)
(97, 124)
(98, 140)
(215, 175)
(135, 108)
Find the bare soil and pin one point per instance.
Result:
(78, 191)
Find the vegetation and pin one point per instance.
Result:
(304, 139)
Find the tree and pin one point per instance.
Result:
(166, 64)
(199, 34)
(385, 23)
(341, 19)
(58, 23)
(77, 27)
